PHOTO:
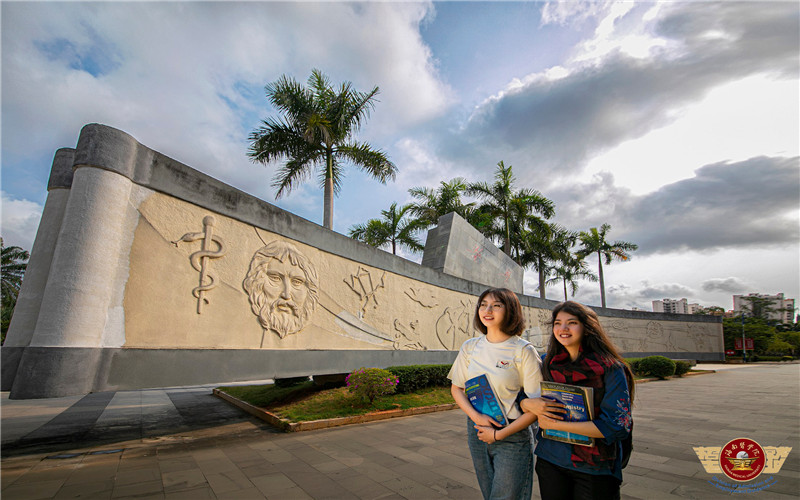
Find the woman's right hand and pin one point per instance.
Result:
(485, 421)
(543, 406)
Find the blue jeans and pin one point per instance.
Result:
(504, 468)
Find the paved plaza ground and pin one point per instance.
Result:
(185, 443)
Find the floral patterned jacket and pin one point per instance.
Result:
(613, 419)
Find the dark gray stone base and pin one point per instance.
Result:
(48, 372)
(9, 362)
(697, 356)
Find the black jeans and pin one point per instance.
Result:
(558, 483)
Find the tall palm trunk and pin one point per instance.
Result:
(327, 216)
(542, 285)
(507, 244)
(565, 289)
(602, 283)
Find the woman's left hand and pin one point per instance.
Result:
(486, 433)
(546, 422)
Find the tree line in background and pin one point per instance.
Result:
(773, 338)
(517, 219)
(314, 131)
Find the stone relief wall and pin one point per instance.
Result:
(266, 291)
(261, 290)
(148, 273)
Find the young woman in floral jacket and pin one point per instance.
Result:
(580, 353)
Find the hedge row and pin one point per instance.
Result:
(658, 366)
(416, 377)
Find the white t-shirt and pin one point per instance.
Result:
(497, 362)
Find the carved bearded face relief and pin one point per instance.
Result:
(282, 287)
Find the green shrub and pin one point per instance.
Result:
(369, 383)
(682, 368)
(414, 377)
(290, 381)
(771, 358)
(634, 364)
(657, 366)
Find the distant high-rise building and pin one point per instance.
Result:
(672, 306)
(777, 307)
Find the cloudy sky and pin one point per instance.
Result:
(676, 123)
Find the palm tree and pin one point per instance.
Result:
(434, 203)
(316, 131)
(594, 241)
(14, 262)
(393, 228)
(545, 244)
(510, 210)
(569, 271)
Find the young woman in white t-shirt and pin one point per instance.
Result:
(502, 456)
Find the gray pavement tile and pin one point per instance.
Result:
(138, 489)
(46, 475)
(651, 483)
(376, 472)
(465, 477)
(177, 464)
(139, 475)
(785, 484)
(228, 481)
(411, 489)
(273, 484)
(330, 466)
(457, 491)
(638, 492)
(191, 494)
(247, 494)
(141, 462)
(431, 478)
(183, 480)
(364, 487)
(295, 493)
(32, 490)
(87, 489)
(91, 474)
(277, 456)
(262, 469)
(242, 456)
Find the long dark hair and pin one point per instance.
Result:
(594, 340)
(513, 321)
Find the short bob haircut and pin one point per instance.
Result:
(513, 321)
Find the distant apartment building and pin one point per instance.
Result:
(672, 306)
(778, 307)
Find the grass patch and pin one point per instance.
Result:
(304, 403)
(266, 396)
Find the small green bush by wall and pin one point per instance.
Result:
(415, 377)
(682, 368)
(369, 383)
(657, 366)
(290, 381)
(634, 364)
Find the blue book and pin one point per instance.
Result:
(483, 398)
(579, 403)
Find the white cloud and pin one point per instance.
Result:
(731, 285)
(20, 218)
(702, 133)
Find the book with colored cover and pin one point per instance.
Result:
(483, 398)
(579, 403)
